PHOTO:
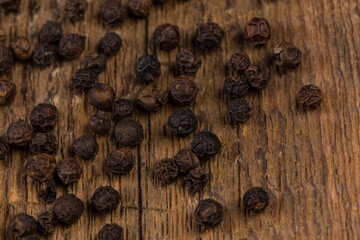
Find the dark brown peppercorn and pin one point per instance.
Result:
(71, 45)
(7, 91)
(22, 48)
(69, 170)
(23, 225)
(258, 76)
(6, 60)
(187, 62)
(286, 55)
(139, 8)
(196, 180)
(113, 13)
(43, 117)
(166, 37)
(102, 96)
(110, 232)
(239, 110)
(186, 160)
(309, 97)
(258, 31)
(4, 148)
(75, 9)
(68, 209)
(183, 91)
(84, 79)
(44, 55)
(100, 123)
(19, 133)
(47, 223)
(51, 32)
(43, 143)
(128, 132)
(120, 162)
(205, 144)
(209, 213)
(41, 167)
(166, 170)
(47, 191)
(256, 199)
(159, 1)
(86, 147)
(239, 62)
(10, 5)
(209, 36)
(122, 108)
(110, 44)
(95, 62)
(235, 87)
(105, 199)
(30, 238)
(148, 68)
(182, 122)
(151, 99)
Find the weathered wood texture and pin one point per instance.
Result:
(307, 161)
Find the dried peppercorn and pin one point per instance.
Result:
(258, 76)
(41, 167)
(166, 37)
(309, 97)
(10, 5)
(30, 238)
(110, 44)
(256, 199)
(4, 148)
(47, 191)
(160, 1)
(19, 133)
(209, 36)
(47, 223)
(187, 62)
(7, 91)
(128, 132)
(68, 209)
(139, 8)
(75, 9)
(186, 160)
(6, 60)
(105, 199)
(69, 170)
(120, 162)
(166, 170)
(100, 123)
(148, 68)
(205, 144)
(22, 48)
(286, 55)
(182, 122)
(43, 117)
(196, 180)
(102, 96)
(86, 147)
(113, 13)
(51, 32)
(239, 110)
(44, 55)
(258, 31)
(122, 108)
(95, 62)
(84, 79)
(23, 225)
(235, 87)
(239, 62)
(150, 98)
(71, 45)
(183, 91)
(43, 143)
(209, 213)
(110, 231)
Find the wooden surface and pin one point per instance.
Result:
(307, 161)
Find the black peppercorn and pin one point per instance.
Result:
(196, 180)
(258, 76)
(209, 213)
(86, 147)
(309, 97)
(235, 87)
(182, 122)
(47, 223)
(68, 209)
(120, 162)
(256, 199)
(151, 99)
(239, 62)
(128, 132)
(69, 170)
(139, 8)
(110, 232)
(110, 44)
(84, 79)
(105, 199)
(44, 55)
(113, 13)
(148, 68)
(4, 148)
(286, 55)
(239, 110)
(19, 133)
(100, 123)
(7, 91)
(166, 170)
(205, 144)
(23, 225)
(43, 117)
(166, 37)
(75, 9)
(41, 167)
(6, 60)
(159, 1)
(258, 31)
(95, 62)
(122, 108)
(47, 191)
(22, 48)
(187, 62)
(209, 36)
(102, 96)
(51, 32)
(43, 143)
(10, 5)
(183, 91)
(71, 45)
(186, 160)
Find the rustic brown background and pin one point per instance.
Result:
(307, 161)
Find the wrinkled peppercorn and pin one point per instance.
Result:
(309, 97)
(258, 31)
(166, 37)
(47, 223)
(113, 13)
(159, 1)
(84, 79)
(95, 62)
(47, 191)
(23, 225)
(186, 160)
(166, 170)
(209, 36)
(209, 213)
(75, 9)
(286, 55)
(51, 32)
(7, 91)
(86, 147)
(43, 143)
(122, 108)
(43, 117)
(183, 91)
(151, 99)
(4, 148)
(6, 60)
(10, 5)
(139, 8)
(239, 62)
(110, 44)
(128, 132)
(187, 62)
(182, 122)
(258, 76)
(256, 199)
(30, 238)
(205, 144)
(105, 199)
(41, 167)
(100, 123)
(71, 45)
(196, 180)
(120, 162)
(68, 209)
(239, 110)
(21, 48)
(69, 170)
(148, 68)
(102, 96)
(44, 55)
(235, 87)
(19, 133)
(110, 232)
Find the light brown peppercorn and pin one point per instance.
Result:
(7, 91)
(22, 48)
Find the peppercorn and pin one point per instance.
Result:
(148, 68)
(71, 45)
(120, 162)
(258, 76)
(110, 231)
(105, 199)
(239, 110)
(122, 108)
(235, 87)
(139, 8)
(47, 191)
(110, 44)
(239, 62)
(159, 1)
(258, 31)
(41, 167)
(43, 143)
(6, 60)
(209, 213)
(256, 199)
(21, 48)
(7, 91)
(196, 180)
(51, 33)
(4, 148)
(44, 55)
(182, 122)
(10, 5)
(187, 62)
(23, 225)
(30, 238)
(100, 123)
(75, 9)
(309, 97)
(68, 209)
(186, 160)
(69, 170)
(128, 132)
(183, 91)
(166, 170)
(286, 55)
(86, 147)
(150, 98)
(19, 133)
(209, 36)
(113, 13)
(84, 79)
(43, 117)
(205, 145)
(166, 37)
(95, 62)
(47, 223)
(102, 96)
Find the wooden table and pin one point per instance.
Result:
(307, 161)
